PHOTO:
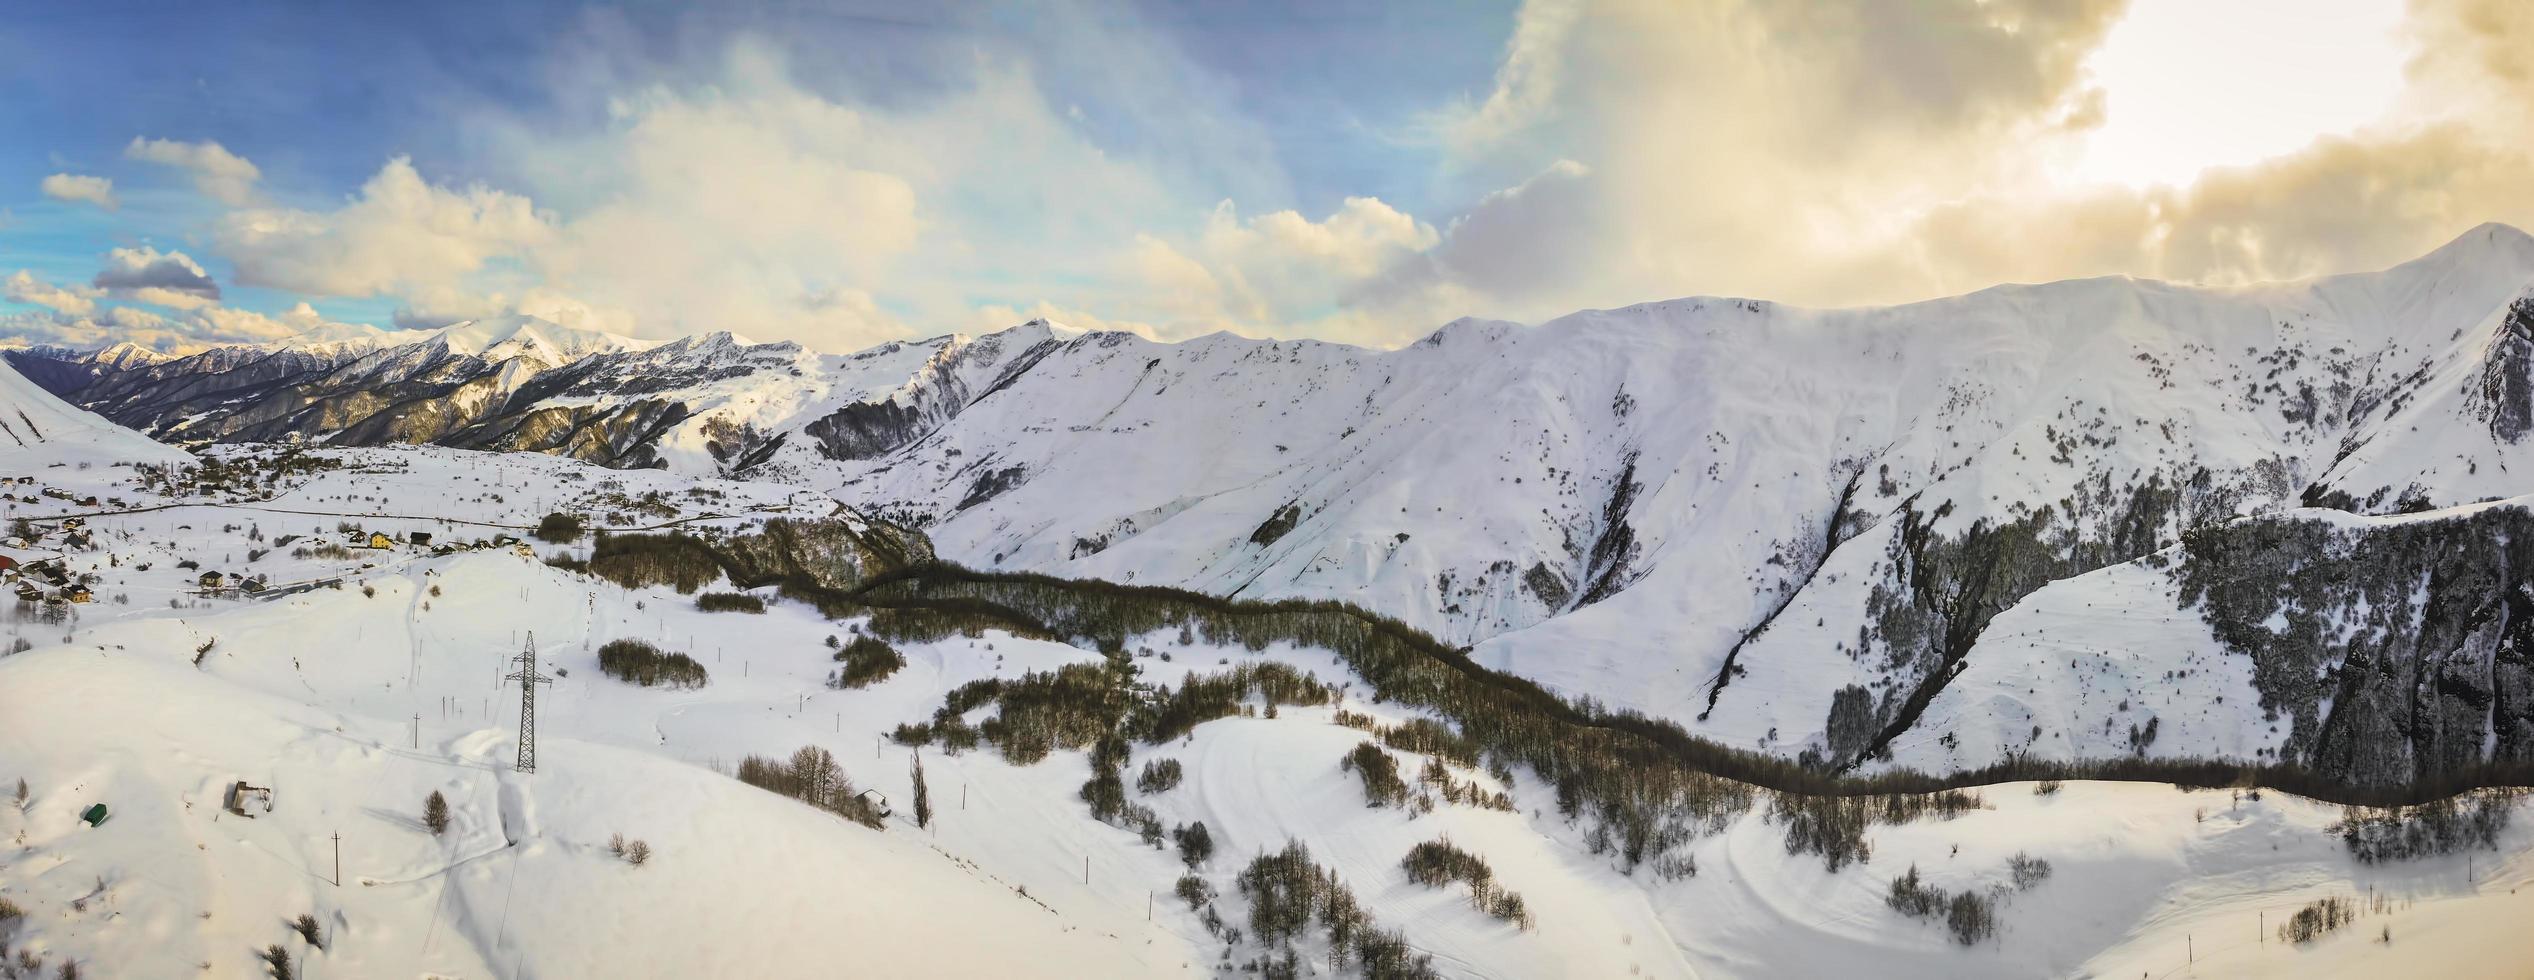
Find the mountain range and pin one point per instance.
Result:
(2278, 522)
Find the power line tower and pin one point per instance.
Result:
(528, 679)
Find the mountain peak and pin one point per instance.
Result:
(516, 333)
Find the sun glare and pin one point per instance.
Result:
(2192, 84)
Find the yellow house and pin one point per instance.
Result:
(380, 541)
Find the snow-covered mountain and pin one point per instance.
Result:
(1793, 530)
(40, 431)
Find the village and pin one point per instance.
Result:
(169, 530)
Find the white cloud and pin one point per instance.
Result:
(225, 176)
(400, 233)
(77, 187)
(23, 287)
(194, 330)
(163, 278)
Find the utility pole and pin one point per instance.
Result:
(528, 679)
(338, 859)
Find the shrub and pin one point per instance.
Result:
(1379, 773)
(1911, 897)
(2046, 787)
(616, 844)
(9, 910)
(1193, 890)
(1159, 776)
(729, 602)
(2027, 871)
(867, 661)
(638, 853)
(306, 926)
(277, 962)
(559, 528)
(1196, 843)
(2313, 921)
(1971, 917)
(435, 813)
(636, 662)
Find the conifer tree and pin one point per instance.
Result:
(923, 797)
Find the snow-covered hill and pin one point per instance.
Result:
(353, 703)
(40, 431)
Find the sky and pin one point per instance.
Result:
(848, 173)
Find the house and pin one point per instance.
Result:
(27, 592)
(80, 593)
(381, 541)
(8, 564)
(420, 538)
(88, 501)
(209, 580)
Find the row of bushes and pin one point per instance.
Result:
(811, 776)
(1436, 863)
(637, 662)
(867, 660)
(2376, 834)
(1288, 892)
(1968, 914)
(729, 602)
(1645, 784)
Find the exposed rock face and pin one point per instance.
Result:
(2507, 375)
(2395, 652)
(955, 376)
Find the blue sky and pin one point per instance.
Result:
(842, 173)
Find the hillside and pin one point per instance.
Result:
(354, 701)
(1787, 529)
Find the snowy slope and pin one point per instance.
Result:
(354, 703)
(1616, 502)
(38, 430)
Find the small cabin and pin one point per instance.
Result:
(209, 580)
(80, 593)
(420, 538)
(381, 541)
(88, 501)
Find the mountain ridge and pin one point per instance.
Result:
(1789, 528)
